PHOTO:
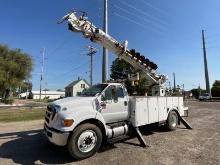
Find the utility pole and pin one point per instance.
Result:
(42, 70)
(174, 82)
(105, 51)
(170, 89)
(184, 94)
(199, 90)
(91, 51)
(205, 64)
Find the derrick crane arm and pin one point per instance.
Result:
(80, 23)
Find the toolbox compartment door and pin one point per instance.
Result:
(153, 109)
(162, 106)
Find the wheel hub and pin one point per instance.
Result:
(87, 141)
(173, 121)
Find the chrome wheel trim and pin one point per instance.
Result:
(173, 120)
(87, 141)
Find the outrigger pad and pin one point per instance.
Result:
(140, 137)
(187, 125)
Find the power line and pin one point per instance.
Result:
(124, 17)
(157, 28)
(68, 57)
(142, 12)
(153, 7)
(75, 68)
(137, 23)
(143, 18)
(59, 46)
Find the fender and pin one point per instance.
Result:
(78, 115)
(173, 109)
(100, 118)
(177, 112)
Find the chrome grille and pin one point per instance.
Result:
(49, 112)
(47, 120)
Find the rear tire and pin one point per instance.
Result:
(85, 141)
(172, 121)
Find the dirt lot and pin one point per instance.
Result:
(24, 143)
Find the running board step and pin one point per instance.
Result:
(185, 123)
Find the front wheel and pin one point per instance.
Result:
(85, 141)
(172, 121)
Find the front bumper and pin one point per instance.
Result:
(55, 136)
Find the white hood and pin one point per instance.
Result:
(74, 101)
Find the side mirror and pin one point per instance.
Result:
(103, 98)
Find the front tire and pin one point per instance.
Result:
(172, 121)
(85, 141)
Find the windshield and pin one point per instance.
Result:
(92, 91)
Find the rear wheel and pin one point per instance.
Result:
(85, 141)
(172, 121)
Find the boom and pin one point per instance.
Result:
(81, 24)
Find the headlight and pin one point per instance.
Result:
(64, 109)
(57, 108)
(67, 122)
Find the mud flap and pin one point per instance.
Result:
(185, 123)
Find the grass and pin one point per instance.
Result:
(22, 114)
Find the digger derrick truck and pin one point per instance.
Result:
(105, 112)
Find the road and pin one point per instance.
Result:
(24, 143)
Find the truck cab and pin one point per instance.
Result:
(114, 103)
(104, 103)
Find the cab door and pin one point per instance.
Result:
(114, 104)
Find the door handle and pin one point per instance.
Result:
(125, 103)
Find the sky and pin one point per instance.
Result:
(167, 32)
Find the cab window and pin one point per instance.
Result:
(120, 92)
(108, 93)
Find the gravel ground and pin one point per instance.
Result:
(24, 143)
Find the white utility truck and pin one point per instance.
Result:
(105, 111)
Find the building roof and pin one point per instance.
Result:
(43, 93)
(75, 82)
(48, 92)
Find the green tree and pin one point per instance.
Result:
(25, 86)
(60, 90)
(15, 68)
(196, 92)
(120, 70)
(216, 89)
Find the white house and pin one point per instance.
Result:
(44, 94)
(76, 87)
